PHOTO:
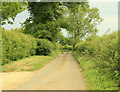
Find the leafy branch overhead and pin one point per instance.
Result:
(10, 10)
(80, 20)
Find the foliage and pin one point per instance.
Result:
(69, 41)
(10, 10)
(95, 80)
(43, 12)
(67, 48)
(16, 46)
(48, 31)
(81, 20)
(61, 39)
(58, 46)
(43, 22)
(91, 37)
(31, 63)
(85, 48)
(18, 29)
(104, 51)
(58, 49)
(44, 47)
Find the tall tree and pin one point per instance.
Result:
(81, 21)
(43, 21)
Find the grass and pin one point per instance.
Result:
(31, 63)
(94, 79)
(28, 64)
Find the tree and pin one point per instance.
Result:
(81, 21)
(10, 10)
(61, 39)
(43, 22)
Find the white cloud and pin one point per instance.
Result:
(20, 18)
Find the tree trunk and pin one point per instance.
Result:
(74, 47)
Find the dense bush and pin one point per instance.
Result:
(85, 48)
(44, 47)
(104, 50)
(16, 46)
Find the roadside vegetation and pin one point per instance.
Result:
(22, 52)
(98, 57)
(16, 46)
(31, 63)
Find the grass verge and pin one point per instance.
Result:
(31, 63)
(94, 79)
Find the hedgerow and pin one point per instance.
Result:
(16, 46)
(44, 47)
(103, 53)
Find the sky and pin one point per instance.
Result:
(20, 18)
(108, 11)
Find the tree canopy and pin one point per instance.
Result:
(81, 20)
(10, 10)
(43, 21)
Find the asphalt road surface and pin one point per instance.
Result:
(63, 73)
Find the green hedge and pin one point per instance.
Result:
(44, 47)
(85, 48)
(16, 46)
(104, 50)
